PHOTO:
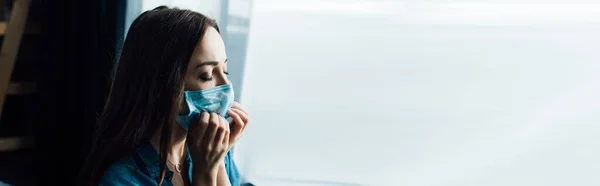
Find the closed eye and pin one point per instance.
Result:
(205, 77)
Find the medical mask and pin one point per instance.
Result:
(213, 100)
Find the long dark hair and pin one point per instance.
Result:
(147, 87)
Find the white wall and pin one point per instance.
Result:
(423, 94)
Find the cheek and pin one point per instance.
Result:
(192, 84)
(205, 85)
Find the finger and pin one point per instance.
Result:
(242, 115)
(226, 140)
(220, 132)
(194, 124)
(200, 124)
(225, 131)
(211, 131)
(237, 105)
(224, 122)
(237, 124)
(204, 119)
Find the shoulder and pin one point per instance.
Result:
(125, 172)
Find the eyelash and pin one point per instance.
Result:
(204, 77)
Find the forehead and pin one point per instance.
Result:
(210, 48)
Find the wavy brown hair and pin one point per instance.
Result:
(147, 87)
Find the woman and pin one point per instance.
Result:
(171, 77)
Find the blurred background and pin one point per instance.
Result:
(340, 92)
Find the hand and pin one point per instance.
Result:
(238, 124)
(208, 142)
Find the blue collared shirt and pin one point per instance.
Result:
(143, 168)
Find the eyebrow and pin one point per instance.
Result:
(212, 63)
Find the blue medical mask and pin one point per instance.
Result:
(213, 100)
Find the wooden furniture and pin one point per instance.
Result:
(13, 31)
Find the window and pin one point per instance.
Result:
(414, 93)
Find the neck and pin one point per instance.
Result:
(177, 151)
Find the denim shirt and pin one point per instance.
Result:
(143, 168)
